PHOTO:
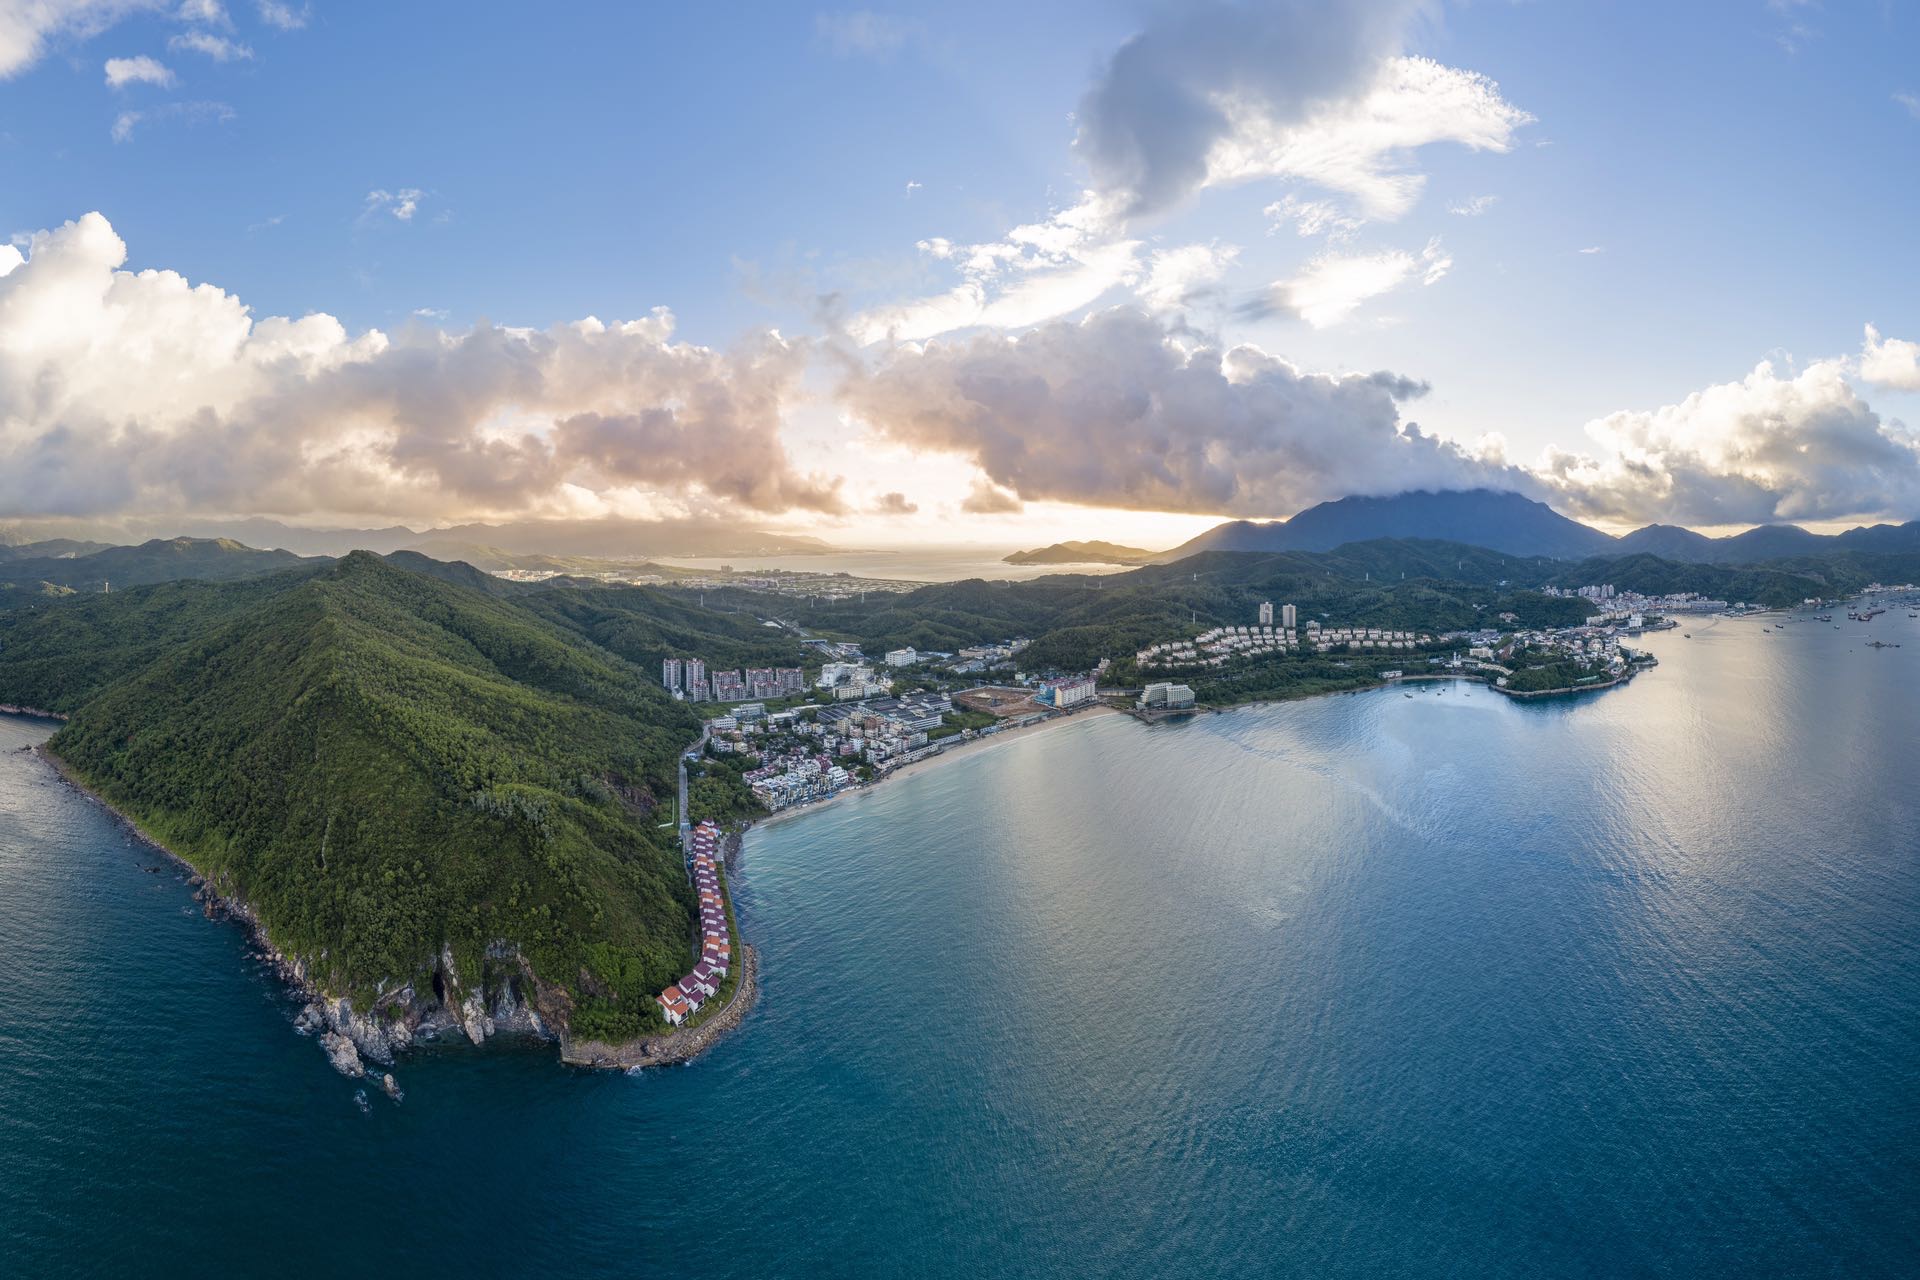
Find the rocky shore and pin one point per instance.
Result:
(507, 997)
(672, 1047)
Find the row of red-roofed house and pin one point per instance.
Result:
(684, 998)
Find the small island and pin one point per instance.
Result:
(1094, 552)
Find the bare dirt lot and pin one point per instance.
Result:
(999, 701)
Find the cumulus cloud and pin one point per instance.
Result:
(894, 504)
(1121, 410)
(140, 392)
(1331, 287)
(122, 72)
(1890, 362)
(27, 28)
(1218, 92)
(1177, 91)
(211, 12)
(1213, 93)
(219, 48)
(1472, 206)
(986, 498)
(1769, 447)
(1911, 101)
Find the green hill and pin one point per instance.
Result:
(387, 767)
(161, 560)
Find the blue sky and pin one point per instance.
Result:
(1742, 178)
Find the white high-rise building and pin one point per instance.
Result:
(1287, 616)
(696, 672)
(670, 674)
(1266, 613)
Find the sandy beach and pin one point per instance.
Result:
(951, 753)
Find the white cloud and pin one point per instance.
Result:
(27, 27)
(1769, 447)
(1331, 287)
(401, 204)
(1313, 218)
(1175, 277)
(1890, 362)
(862, 33)
(1911, 101)
(1215, 94)
(1592, 249)
(211, 12)
(283, 16)
(1473, 206)
(1120, 410)
(1039, 271)
(190, 112)
(122, 72)
(912, 186)
(219, 48)
(138, 392)
(1359, 148)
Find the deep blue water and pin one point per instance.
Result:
(1364, 985)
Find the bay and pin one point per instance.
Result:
(1362, 985)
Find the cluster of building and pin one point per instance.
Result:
(1622, 604)
(852, 680)
(1217, 646)
(684, 998)
(882, 729)
(687, 678)
(1166, 696)
(1072, 691)
(981, 658)
(794, 777)
(1595, 646)
(798, 756)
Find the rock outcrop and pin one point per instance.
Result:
(341, 1053)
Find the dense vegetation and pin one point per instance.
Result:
(382, 762)
(389, 756)
(86, 567)
(1076, 620)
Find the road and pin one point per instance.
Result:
(686, 827)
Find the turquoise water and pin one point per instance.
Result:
(1365, 985)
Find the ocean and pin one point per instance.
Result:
(904, 564)
(1366, 985)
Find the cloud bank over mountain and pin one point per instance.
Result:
(124, 391)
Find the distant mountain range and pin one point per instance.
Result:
(1517, 525)
(1094, 552)
(160, 560)
(619, 539)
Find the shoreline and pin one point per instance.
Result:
(322, 1011)
(672, 1048)
(954, 752)
(1106, 709)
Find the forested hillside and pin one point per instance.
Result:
(381, 762)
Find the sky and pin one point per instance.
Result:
(989, 273)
